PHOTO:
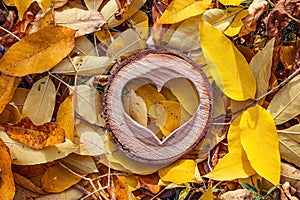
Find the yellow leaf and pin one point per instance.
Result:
(186, 93)
(36, 137)
(57, 179)
(65, 117)
(169, 115)
(237, 23)
(260, 142)
(140, 21)
(93, 4)
(207, 195)
(7, 186)
(22, 6)
(182, 171)
(9, 2)
(235, 164)
(231, 2)
(10, 114)
(135, 106)
(226, 64)
(8, 85)
(28, 55)
(179, 10)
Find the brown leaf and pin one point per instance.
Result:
(26, 183)
(36, 137)
(256, 9)
(287, 192)
(8, 85)
(150, 182)
(291, 174)
(7, 186)
(240, 194)
(281, 15)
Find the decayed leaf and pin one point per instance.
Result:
(84, 65)
(80, 164)
(284, 107)
(26, 183)
(91, 141)
(289, 144)
(185, 92)
(57, 179)
(261, 65)
(256, 9)
(111, 9)
(260, 142)
(234, 28)
(226, 64)
(135, 106)
(40, 101)
(186, 36)
(8, 85)
(235, 164)
(23, 155)
(28, 55)
(36, 137)
(65, 117)
(22, 6)
(179, 10)
(126, 44)
(93, 4)
(7, 187)
(85, 21)
(182, 171)
(88, 104)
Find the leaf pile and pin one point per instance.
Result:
(56, 57)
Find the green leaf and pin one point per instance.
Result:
(248, 187)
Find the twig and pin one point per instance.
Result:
(7, 31)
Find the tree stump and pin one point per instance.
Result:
(136, 140)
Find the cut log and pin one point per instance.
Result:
(136, 140)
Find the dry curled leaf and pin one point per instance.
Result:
(36, 137)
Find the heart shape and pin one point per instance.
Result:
(161, 109)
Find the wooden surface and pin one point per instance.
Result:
(137, 141)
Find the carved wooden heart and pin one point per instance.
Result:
(161, 111)
(158, 67)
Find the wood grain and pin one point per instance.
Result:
(137, 141)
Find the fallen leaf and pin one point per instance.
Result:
(284, 107)
(7, 187)
(85, 21)
(9, 2)
(126, 44)
(90, 140)
(80, 163)
(261, 65)
(236, 25)
(8, 85)
(92, 4)
(104, 36)
(23, 155)
(44, 4)
(111, 10)
(10, 114)
(119, 188)
(237, 195)
(140, 21)
(287, 192)
(219, 18)
(149, 182)
(42, 20)
(36, 137)
(65, 117)
(135, 107)
(84, 65)
(186, 93)
(40, 102)
(179, 10)
(289, 140)
(260, 141)
(231, 2)
(84, 47)
(28, 55)
(256, 9)
(19, 98)
(207, 195)
(182, 171)
(22, 6)
(288, 54)
(290, 174)
(57, 179)
(26, 183)
(226, 64)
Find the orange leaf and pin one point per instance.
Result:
(36, 137)
(8, 84)
(28, 55)
(65, 117)
(7, 186)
